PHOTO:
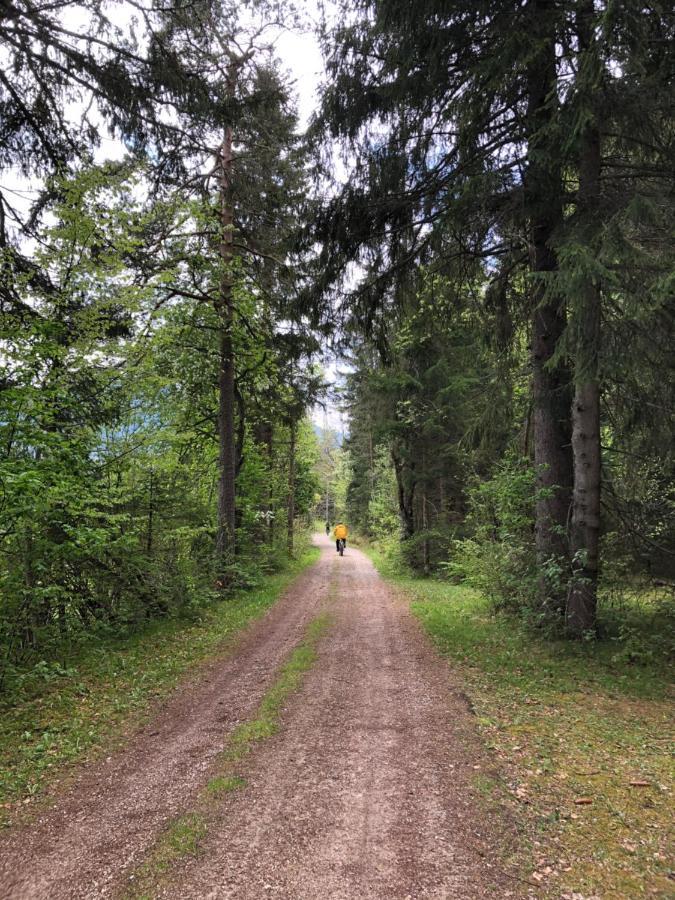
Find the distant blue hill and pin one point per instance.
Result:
(337, 434)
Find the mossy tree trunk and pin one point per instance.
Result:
(585, 525)
(551, 378)
(225, 532)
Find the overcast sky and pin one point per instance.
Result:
(300, 53)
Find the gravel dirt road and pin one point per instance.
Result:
(366, 791)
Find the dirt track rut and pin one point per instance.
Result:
(365, 792)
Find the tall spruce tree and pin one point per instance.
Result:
(465, 95)
(485, 132)
(619, 145)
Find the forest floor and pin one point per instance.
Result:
(331, 754)
(581, 734)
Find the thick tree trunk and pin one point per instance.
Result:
(552, 447)
(225, 534)
(426, 549)
(269, 438)
(290, 522)
(551, 380)
(151, 512)
(585, 528)
(406, 497)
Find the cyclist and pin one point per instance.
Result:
(340, 533)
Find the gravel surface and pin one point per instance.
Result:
(365, 792)
(111, 814)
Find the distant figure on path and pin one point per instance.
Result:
(327, 528)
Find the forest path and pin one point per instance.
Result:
(365, 791)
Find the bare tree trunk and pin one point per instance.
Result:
(151, 512)
(406, 497)
(225, 534)
(551, 380)
(552, 448)
(585, 528)
(327, 517)
(29, 603)
(291, 487)
(426, 550)
(269, 438)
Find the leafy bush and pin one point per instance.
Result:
(498, 558)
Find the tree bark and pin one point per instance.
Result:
(151, 512)
(269, 438)
(406, 496)
(585, 526)
(291, 488)
(225, 533)
(551, 379)
(426, 549)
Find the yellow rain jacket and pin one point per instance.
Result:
(340, 532)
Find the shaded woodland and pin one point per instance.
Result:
(156, 375)
(478, 220)
(508, 211)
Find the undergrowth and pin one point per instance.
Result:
(95, 697)
(582, 731)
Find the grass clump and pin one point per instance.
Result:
(222, 784)
(184, 836)
(569, 722)
(107, 690)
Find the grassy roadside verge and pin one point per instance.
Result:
(184, 835)
(582, 738)
(110, 688)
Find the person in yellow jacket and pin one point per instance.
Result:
(340, 533)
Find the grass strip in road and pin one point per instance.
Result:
(108, 690)
(266, 722)
(582, 739)
(183, 836)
